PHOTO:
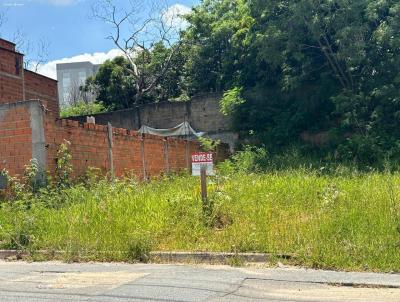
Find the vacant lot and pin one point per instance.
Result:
(343, 222)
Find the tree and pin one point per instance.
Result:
(136, 37)
(113, 84)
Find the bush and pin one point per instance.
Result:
(251, 159)
(82, 108)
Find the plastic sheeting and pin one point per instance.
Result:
(183, 129)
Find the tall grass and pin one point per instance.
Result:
(349, 221)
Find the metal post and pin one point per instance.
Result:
(110, 149)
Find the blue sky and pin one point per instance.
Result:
(65, 24)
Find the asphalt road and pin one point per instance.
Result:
(52, 281)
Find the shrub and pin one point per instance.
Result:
(64, 167)
(251, 159)
(82, 108)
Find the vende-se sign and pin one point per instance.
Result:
(200, 159)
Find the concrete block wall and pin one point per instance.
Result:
(202, 112)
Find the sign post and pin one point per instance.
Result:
(203, 178)
(203, 165)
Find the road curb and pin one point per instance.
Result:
(167, 257)
(209, 257)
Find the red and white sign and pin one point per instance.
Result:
(200, 159)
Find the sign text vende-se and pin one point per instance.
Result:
(200, 159)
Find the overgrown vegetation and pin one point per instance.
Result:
(336, 218)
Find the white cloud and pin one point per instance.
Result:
(173, 16)
(49, 69)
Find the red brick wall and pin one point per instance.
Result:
(7, 45)
(17, 84)
(42, 88)
(11, 76)
(89, 148)
(15, 138)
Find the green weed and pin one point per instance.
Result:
(340, 221)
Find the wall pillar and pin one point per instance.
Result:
(38, 139)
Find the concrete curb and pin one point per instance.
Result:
(208, 257)
(6, 254)
(168, 257)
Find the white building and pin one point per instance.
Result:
(70, 77)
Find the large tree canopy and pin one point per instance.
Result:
(305, 65)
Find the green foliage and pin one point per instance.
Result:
(249, 160)
(171, 85)
(139, 248)
(82, 108)
(22, 189)
(31, 175)
(113, 85)
(231, 100)
(116, 87)
(303, 66)
(209, 144)
(64, 169)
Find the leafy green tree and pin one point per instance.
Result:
(113, 85)
(171, 85)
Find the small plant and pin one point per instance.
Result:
(139, 249)
(209, 144)
(330, 195)
(31, 175)
(249, 160)
(16, 190)
(92, 176)
(64, 167)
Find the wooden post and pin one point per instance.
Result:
(187, 155)
(203, 177)
(110, 149)
(142, 151)
(166, 155)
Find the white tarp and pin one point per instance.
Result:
(183, 129)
